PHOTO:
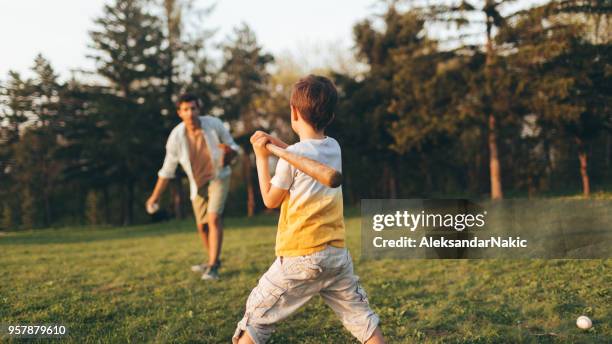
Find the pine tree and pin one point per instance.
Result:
(429, 86)
(484, 92)
(128, 41)
(371, 107)
(32, 111)
(185, 68)
(16, 106)
(563, 59)
(15, 111)
(48, 109)
(243, 79)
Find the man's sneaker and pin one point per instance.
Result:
(201, 268)
(211, 273)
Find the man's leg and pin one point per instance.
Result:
(217, 194)
(215, 237)
(200, 206)
(203, 232)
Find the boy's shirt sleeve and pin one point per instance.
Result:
(283, 175)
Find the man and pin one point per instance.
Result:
(204, 148)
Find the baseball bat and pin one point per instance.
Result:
(319, 171)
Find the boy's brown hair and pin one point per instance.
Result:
(315, 97)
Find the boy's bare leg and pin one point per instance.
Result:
(215, 236)
(376, 337)
(245, 338)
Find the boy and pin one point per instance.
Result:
(311, 258)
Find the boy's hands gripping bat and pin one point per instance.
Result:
(319, 171)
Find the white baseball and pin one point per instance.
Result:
(151, 209)
(584, 322)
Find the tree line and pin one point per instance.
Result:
(505, 103)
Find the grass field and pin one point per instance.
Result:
(133, 285)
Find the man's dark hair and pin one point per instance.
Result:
(315, 97)
(187, 98)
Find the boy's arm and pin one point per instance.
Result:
(272, 195)
(276, 141)
(271, 139)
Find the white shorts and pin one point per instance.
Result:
(292, 281)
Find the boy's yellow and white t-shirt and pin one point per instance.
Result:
(311, 214)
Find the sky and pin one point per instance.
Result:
(59, 28)
(313, 32)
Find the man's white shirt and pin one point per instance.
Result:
(177, 151)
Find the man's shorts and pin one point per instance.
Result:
(210, 199)
(292, 281)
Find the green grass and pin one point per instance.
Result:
(133, 285)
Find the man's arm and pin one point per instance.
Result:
(171, 160)
(225, 136)
(272, 195)
(229, 154)
(167, 171)
(228, 146)
(160, 186)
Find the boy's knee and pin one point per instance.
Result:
(363, 327)
(247, 332)
(376, 337)
(242, 337)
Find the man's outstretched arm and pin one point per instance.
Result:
(227, 144)
(160, 186)
(166, 173)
